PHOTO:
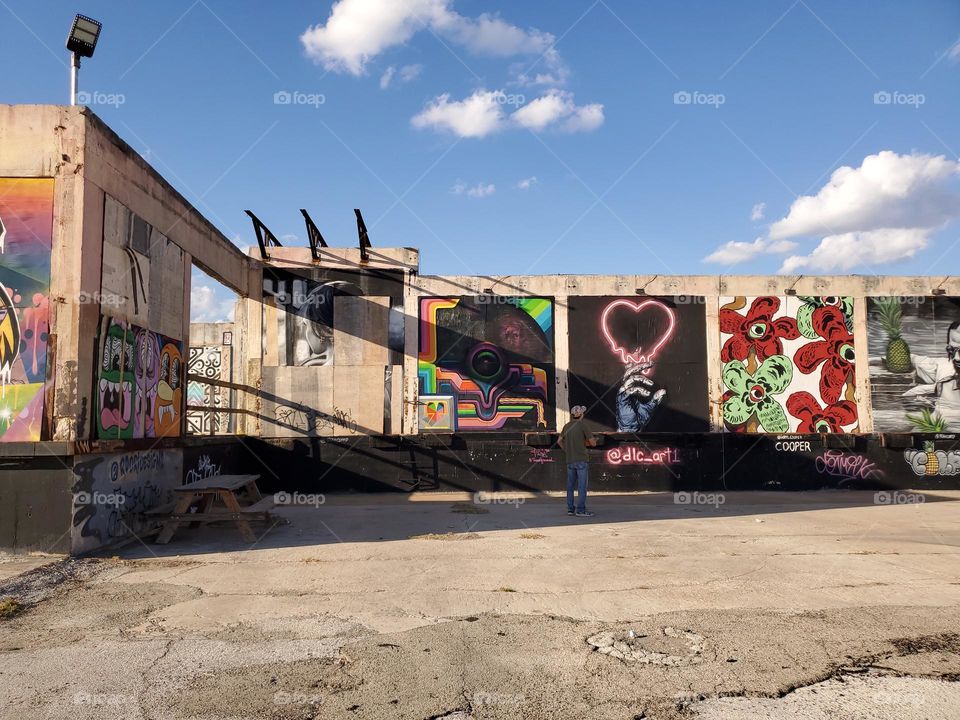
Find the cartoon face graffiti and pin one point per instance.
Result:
(167, 408)
(147, 373)
(115, 407)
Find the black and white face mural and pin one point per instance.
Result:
(914, 347)
(307, 298)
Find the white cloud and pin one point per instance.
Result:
(887, 191)
(410, 72)
(359, 30)
(481, 114)
(585, 118)
(489, 34)
(543, 111)
(207, 305)
(406, 74)
(474, 117)
(387, 77)
(884, 211)
(479, 190)
(548, 69)
(757, 212)
(557, 106)
(734, 252)
(527, 183)
(850, 250)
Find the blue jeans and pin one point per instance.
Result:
(577, 475)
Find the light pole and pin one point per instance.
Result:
(81, 42)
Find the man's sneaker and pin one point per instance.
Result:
(585, 513)
(569, 512)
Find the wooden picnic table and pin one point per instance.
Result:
(204, 493)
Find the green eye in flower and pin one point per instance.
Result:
(758, 330)
(752, 395)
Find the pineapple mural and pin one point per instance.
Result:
(913, 344)
(932, 464)
(890, 316)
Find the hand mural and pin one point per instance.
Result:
(637, 398)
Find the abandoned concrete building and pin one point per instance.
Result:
(345, 368)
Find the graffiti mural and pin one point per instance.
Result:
(139, 382)
(914, 347)
(788, 364)
(494, 356)
(639, 364)
(307, 298)
(26, 232)
(111, 493)
(206, 362)
(932, 462)
(436, 413)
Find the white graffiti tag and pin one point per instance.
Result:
(933, 462)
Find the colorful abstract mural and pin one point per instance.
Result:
(639, 364)
(139, 382)
(493, 356)
(788, 364)
(26, 237)
(914, 347)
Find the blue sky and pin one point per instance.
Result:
(659, 134)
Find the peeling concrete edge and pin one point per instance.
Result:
(34, 586)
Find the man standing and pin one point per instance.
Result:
(573, 439)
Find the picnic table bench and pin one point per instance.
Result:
(204, 494)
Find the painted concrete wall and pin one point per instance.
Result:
(330, 357)
(88, 163)
(120, 243)
(709, 349)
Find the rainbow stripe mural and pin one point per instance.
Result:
(26, 238)
(493, 356)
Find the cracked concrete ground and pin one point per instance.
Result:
(773, 605)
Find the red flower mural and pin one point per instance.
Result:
(757, 331)
(815, 419)
(834, 352)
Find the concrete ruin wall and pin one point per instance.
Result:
(95, 271)
(344, 373)
(816, 345)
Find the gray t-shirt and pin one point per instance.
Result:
(574, 442)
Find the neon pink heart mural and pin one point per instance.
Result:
(640, 354)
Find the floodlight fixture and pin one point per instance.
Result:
(81, 42)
